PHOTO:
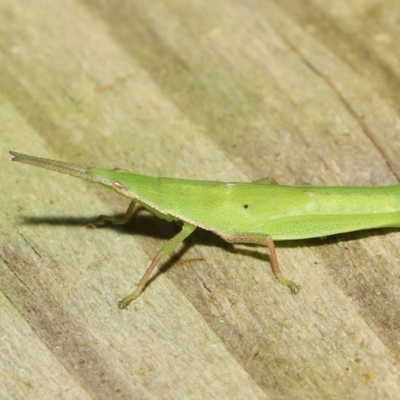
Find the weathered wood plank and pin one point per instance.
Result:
(301, 91)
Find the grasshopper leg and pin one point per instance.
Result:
(115, 220)
(165, 250)
(265, 240)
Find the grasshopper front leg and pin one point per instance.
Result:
(102, 219)
(265, 240)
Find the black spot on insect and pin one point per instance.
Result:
(246, 206)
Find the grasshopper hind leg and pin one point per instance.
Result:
(265, 240)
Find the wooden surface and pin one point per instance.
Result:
(302, 91)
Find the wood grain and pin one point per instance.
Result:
(302, 91)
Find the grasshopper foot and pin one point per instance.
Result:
(124, 303)
(294, 288)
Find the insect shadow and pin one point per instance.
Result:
(145, 224)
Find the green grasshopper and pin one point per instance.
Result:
(258, 212)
